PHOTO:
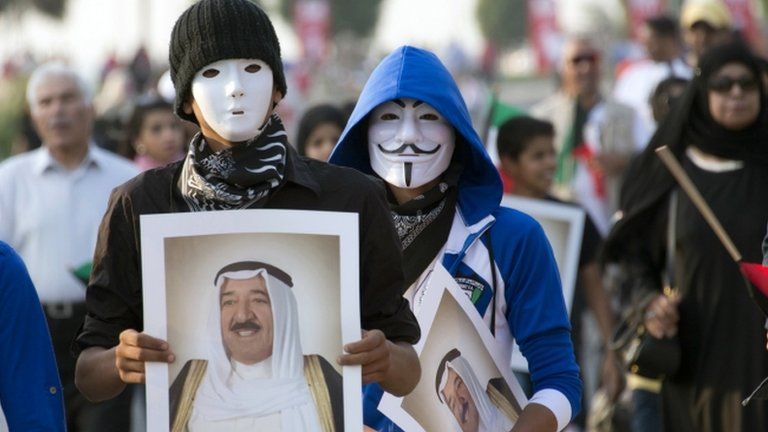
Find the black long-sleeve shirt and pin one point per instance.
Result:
(114, 295)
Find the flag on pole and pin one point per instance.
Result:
(755, 275)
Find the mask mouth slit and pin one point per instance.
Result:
(238, 112)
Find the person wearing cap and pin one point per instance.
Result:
(705, 23)
(412, 129)
(226, 68)
(255, 376)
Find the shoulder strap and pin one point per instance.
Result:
(493, 282)
(669, 273)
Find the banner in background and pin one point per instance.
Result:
(312, 22)
(640, 10)
(743, 19)
(544, 33)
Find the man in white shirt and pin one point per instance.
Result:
(595, 137)
(634, 86)
(51, 202)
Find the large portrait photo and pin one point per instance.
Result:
(253, 312)
(466, 384)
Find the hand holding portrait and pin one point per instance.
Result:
(134, 350)
(372, 352)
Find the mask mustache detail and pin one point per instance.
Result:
(247, 325)
(414, 148)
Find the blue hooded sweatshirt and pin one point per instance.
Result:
(30, 390)
(529, 302)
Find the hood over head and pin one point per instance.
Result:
(411, 72)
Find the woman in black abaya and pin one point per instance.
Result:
(718, 132)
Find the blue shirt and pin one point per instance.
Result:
(30, 390)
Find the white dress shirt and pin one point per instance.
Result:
(636, 84)
(51, 214)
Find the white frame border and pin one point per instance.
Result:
(390, 405)
(156, 228)
(559, 212)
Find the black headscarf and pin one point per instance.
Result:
(647, 181)
(313, 118)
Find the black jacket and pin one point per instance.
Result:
(114, 294)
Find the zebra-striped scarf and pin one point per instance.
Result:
(236, 177)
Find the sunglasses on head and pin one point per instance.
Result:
(588, 57)
(725, 84)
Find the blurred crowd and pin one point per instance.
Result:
(588, 143)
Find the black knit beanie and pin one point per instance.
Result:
(213, 30)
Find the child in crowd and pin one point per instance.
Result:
(527, 156)
(319, 130)
(155, 134)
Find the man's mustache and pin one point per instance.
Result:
(414, 148)
(247, 325)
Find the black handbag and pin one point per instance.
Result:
(640, 352)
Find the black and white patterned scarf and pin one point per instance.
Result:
(236, 177)
(423, 223)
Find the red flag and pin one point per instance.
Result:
(586, 155)
(757, 275)
(757, 280)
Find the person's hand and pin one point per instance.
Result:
(372, 352)
(661, 316)
(134, 350)
(612, 376)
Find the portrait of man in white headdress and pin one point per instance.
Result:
(256, 376)
(474, 407)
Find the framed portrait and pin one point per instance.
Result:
(466, 382)
(564, 226)
(256, 305)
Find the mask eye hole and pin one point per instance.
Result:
(210, 73)
(252, 68)
(389, 117)
(429, 117)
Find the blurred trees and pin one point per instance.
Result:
(502, 22)
(12, 103)
(53, 8)
(347, 16)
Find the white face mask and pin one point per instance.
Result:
(409, 143)
(234, 97)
